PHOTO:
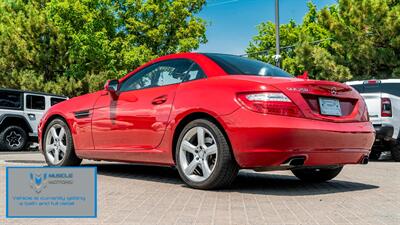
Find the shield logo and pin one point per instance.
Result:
(38, 181)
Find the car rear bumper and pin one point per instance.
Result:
(260, 140)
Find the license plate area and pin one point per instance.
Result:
(329, 107)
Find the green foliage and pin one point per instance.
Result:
(354, 39)
(72, 46)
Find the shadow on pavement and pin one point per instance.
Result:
(30, 161)
(287, 185)
(246, 182)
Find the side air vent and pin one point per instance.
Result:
(82, 114)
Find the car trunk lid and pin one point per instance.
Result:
(324, 100)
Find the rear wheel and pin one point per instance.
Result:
(317, 174)
(13, 138)
(203, 156)
(396, 152)
(58, 146)
(375, 154)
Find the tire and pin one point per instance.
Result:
(396, 152)
(317, 175)
(375, 155)
(214, 156)
(13, 138)
(56, 144)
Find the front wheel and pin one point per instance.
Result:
(58, 146)
(203, 156)
(317, 174)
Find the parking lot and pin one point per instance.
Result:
(133, 194)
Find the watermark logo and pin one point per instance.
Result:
(38, 181)
(51, 192)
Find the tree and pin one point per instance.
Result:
(354, 39)
(71, 46)
(264, 42)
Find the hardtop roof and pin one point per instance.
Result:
(32, 92)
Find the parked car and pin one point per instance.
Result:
(20, 113)
(383, 101)
(211, 115)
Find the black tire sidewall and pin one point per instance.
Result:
(375, 155)
(18, 130)
(69, 158)
(223, 151)
(395, 151)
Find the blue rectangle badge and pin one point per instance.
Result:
(56, 192)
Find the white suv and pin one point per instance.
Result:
(20, 113)
(383, 100)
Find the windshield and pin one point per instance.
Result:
(236, 65)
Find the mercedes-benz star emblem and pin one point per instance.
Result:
(333, 91)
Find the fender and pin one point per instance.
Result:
(5, 116)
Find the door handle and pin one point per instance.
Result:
(159, 100)
(31, 116)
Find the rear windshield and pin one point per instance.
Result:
(389, 88)
(236, 65)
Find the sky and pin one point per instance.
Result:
(232, 23)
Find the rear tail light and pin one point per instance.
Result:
(386, 107)
(275, 103)
(365, 116)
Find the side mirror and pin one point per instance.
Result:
(303, 76)
(111, 87)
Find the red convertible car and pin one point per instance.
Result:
(211, 115)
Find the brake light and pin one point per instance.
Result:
(372, 82)
(275, 103)
(365, 116)
(386, 107)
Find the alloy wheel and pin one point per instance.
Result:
(198, 154)
(56, 144)
(13, 139)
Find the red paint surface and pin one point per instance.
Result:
(132, 129)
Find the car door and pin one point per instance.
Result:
(137, 118)
(35, 106)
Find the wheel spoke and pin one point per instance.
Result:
(56, 156)
(61, 134)
(50, 156)
(53, 132)
(206, 170)
(188, 147)
(200, 136)
(191, 167)
(63, 148)
(49, 147)
(212, 150)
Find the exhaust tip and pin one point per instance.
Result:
(294, 161)
(365, 160)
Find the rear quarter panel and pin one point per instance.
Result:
(215, 96)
